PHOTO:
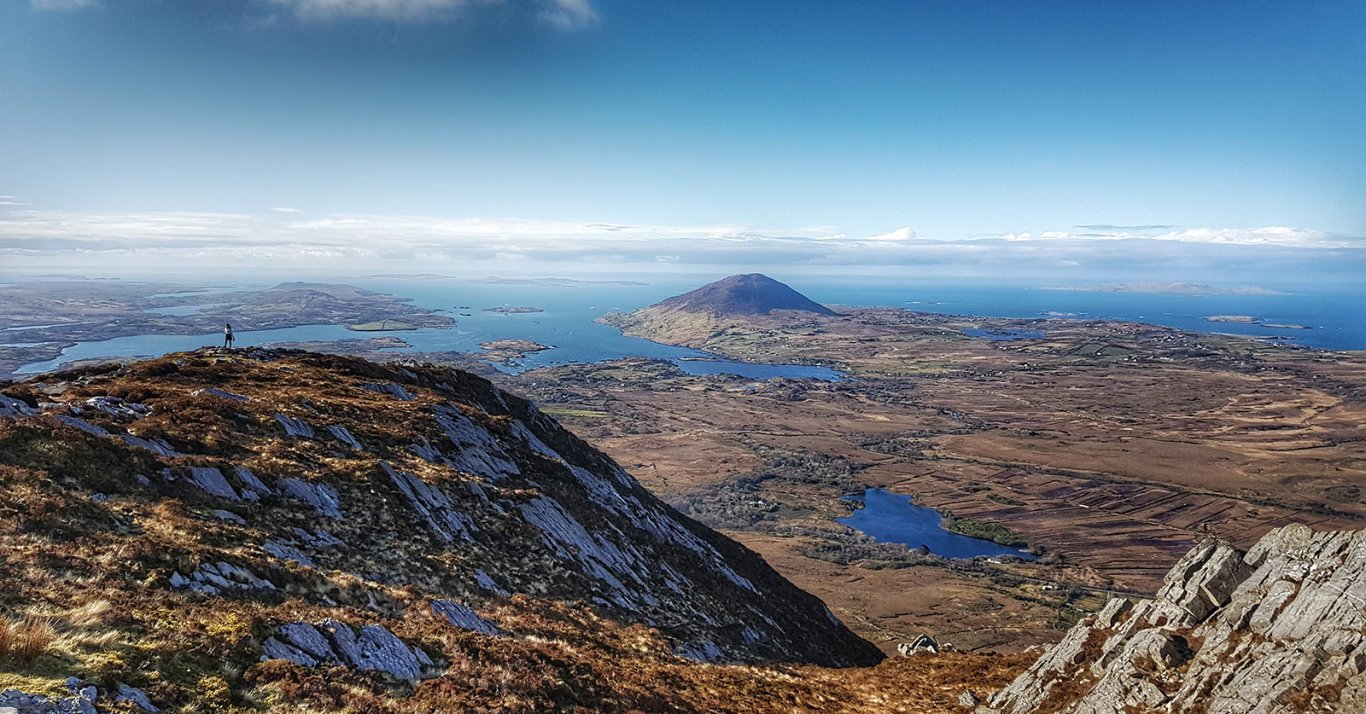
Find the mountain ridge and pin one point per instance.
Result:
(327, 512)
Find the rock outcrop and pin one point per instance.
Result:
(1278, 629)
(372, 648)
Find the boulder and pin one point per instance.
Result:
(922, 644)
(11, 407)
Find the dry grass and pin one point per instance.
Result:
(89, 596)
(24, 640)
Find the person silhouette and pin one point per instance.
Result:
(227, 335)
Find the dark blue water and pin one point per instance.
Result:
(893, 518)
(1334, 313)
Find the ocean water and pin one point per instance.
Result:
(1336, 315)
(568, 313)
(894, 518)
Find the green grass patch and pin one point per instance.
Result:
(981, 529)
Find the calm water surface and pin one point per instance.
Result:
(568, 313)
(893, 518)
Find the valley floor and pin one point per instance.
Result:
(1111, 447)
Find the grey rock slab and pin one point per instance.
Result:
(275, 649)
(294, 426)
(433, 505)
(117, 408)
(394, 390)
(306, 637)
(319, 539)
(251, 486)
(137, 697)
(322, 497)
(285, 551)
(156, 446)
(462, 616)
(229, 516)
(211, 481)
(82, 424)
(342, 434)
(374, 648)
(11, 407)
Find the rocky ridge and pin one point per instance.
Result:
(281, 513)
(1280, 628)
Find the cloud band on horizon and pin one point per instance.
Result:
(202, 239)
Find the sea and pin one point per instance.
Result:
(1330, 317)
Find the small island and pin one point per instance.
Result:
(509, 350)
(1251, 320)
(513, 310)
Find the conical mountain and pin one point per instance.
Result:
(749, 294)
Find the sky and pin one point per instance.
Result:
(1060, 141)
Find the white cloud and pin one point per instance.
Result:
(396, 10)
(900, 234)
(566, 15)
(1266, 236)
(64, 4)
(294, 241)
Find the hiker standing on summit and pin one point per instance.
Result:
(227, 335)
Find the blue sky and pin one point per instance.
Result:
(1073, 140)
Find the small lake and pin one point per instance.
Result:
(893, 518)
